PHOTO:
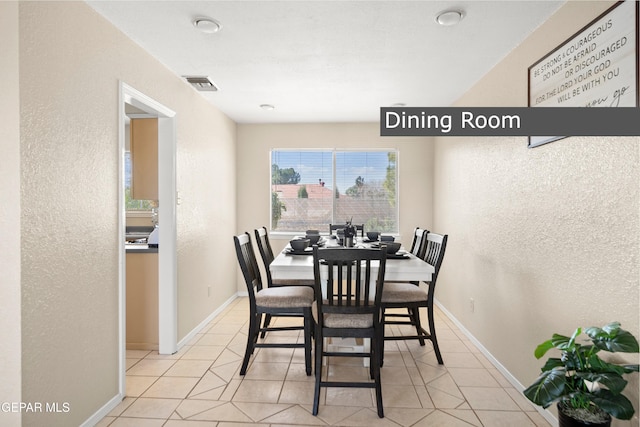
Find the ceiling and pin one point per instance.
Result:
(328, 61)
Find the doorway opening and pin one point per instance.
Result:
(167, 251)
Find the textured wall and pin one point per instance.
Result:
(71, 62)
(544, 240)
(10, 386)
(206, 213)
(69, 223)
(256, 141)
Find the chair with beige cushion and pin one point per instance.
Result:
(289, 301)
(266, 253)
(412, 296)
(350, 308)
(418, 247)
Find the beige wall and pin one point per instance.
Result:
(71, 62)
(10, 386)
(415, 161)
(546, 239)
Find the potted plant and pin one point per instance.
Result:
(588, 390)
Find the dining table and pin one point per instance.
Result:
(403, 267)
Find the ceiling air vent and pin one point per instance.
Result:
(201, 83)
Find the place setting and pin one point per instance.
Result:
(304, 245)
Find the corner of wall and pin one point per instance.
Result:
(10, 289)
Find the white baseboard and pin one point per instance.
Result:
(206, 321)
(117, 399)
(513, 380)
(104, 411)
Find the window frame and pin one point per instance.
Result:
(333, 151)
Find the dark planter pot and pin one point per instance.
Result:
(565, 420)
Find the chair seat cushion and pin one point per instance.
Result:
(343, 320)
(402, 292)
(285, 297)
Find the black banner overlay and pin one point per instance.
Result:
(516, 121)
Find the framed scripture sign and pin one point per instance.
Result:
(597, 67)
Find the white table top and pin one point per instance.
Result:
(300, 267)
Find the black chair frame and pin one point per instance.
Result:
(349, 274)
(251, 273)
(419, 242)
(266, 253)
(435, 246)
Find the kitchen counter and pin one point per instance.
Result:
(141, 233)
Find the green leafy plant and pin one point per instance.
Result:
(580, 379)
(277, 206)
(302, 192)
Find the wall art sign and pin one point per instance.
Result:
(597, 67)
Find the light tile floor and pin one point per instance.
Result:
(200, 385)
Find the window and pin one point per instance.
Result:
(133, 204)
(314, 188)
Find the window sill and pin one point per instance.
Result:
(138, 214)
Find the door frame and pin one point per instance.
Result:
(167, 254)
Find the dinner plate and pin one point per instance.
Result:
(321, 241)
(307, 251)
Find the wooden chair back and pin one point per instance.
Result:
(349, 274)
(266, 252)
(434, 251)
(334, 227)
(248, 265)
(419, 243)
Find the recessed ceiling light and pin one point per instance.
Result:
(267, 107)
(398, 104)
(449, 18)
(207, 25)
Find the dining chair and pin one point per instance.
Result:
(350, 308)
(411, 296)
(266, 253)
(419, 242)
(418, 246)
(334, 227)
(285, 301)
